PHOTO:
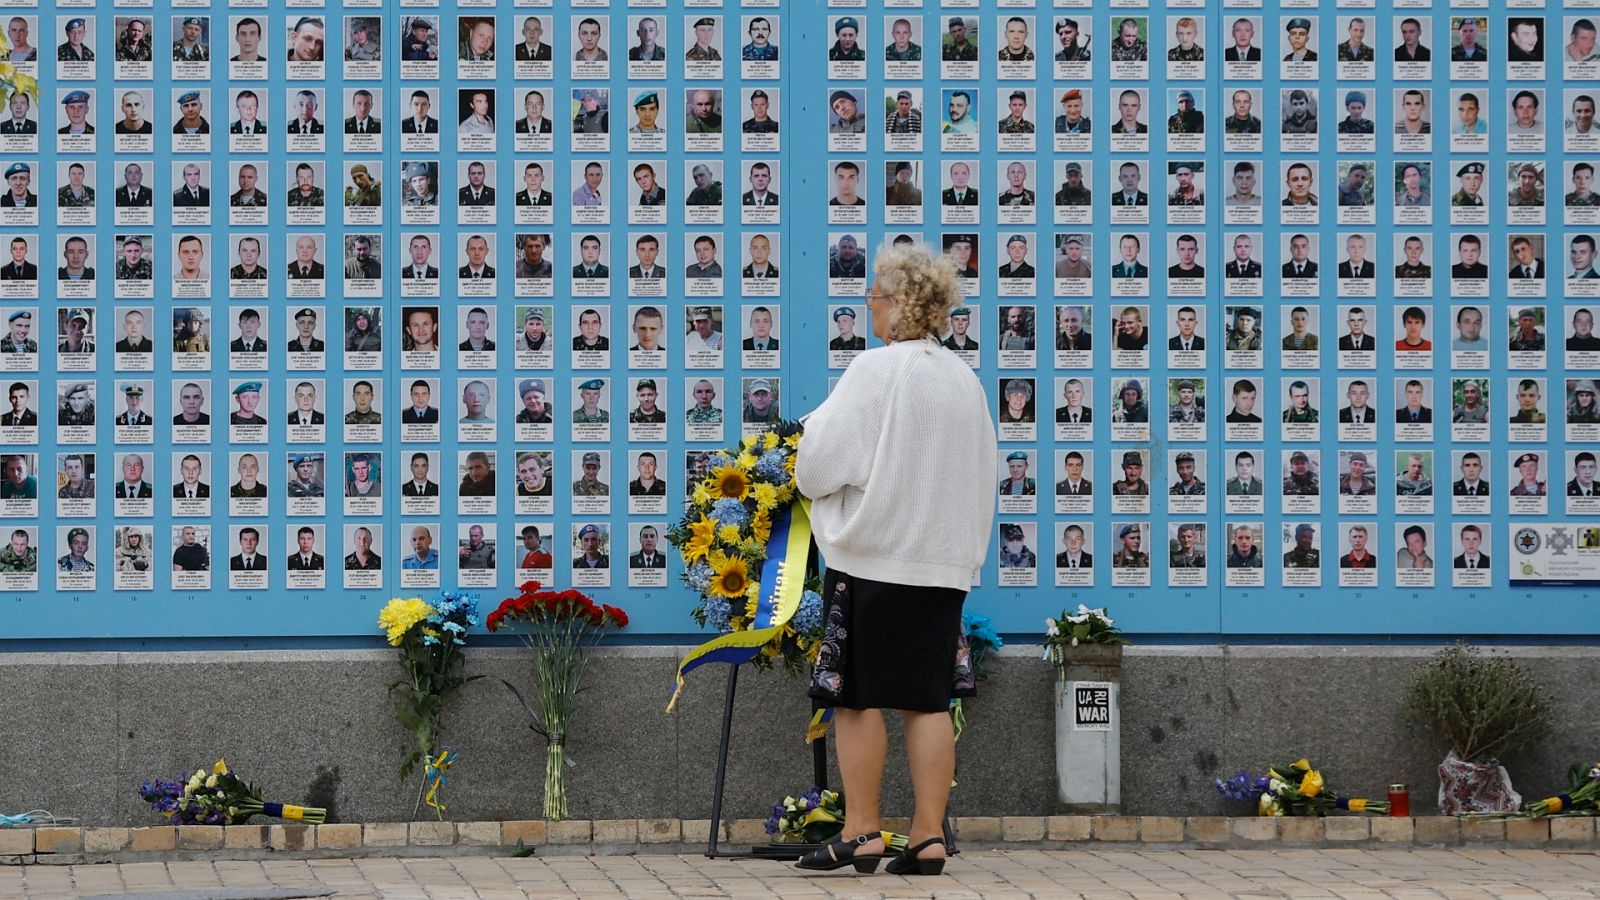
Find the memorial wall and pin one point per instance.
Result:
(1286, 312)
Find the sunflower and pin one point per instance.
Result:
(761, 523)
(703, 533)
(729, 481)
(730, 578)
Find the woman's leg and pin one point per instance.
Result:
(861, 742)
(931, 748)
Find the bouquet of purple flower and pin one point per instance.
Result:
(218, 797)
(816, 817)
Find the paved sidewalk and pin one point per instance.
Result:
(1013, 873)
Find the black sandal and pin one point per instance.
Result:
(907, 862)
(843, 853)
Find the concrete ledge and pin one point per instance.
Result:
(57, 845)
(1190, 713)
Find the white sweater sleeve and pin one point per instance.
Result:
(842, 434)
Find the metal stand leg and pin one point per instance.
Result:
(722, 761)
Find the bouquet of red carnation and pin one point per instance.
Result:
(558, 626)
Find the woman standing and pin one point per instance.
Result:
(898, 463)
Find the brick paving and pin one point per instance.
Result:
(1013, 873)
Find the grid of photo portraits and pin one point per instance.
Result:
(300, 211)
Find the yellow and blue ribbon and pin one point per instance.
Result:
(433, 776)
(775, 605)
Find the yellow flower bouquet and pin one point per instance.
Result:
(1294, 789)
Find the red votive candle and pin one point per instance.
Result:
(1399, 801)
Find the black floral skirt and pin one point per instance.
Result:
(891, 646)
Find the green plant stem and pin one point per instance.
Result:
(559, 662)
(555, 784)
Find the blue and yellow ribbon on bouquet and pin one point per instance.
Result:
(433, 776)
(782, 584)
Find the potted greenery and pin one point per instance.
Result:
(1086, 649)
(1482, 707)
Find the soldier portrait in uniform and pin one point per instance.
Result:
(476, 42)
(1017, 483)
(590, 544)
(475, 551)
(648, 557)
(77, 405)
(1244, 482)
(306, 478)
(1302, 475)
(1303, 554)
(192, 42)
(589, 484)
(1129, 552)
(533, 47)
(761, 47)
(647, 484)
(1133, 483)
(1186, 548)
(1014, 550)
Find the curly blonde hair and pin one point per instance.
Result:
(921, 284)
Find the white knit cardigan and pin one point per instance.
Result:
(900, 463)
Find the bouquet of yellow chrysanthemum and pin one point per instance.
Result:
(723, 535)
(1294, 789)
(430, 637)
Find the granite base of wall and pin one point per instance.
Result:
(75, 845)
(81, 731)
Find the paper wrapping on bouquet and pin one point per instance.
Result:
(782, 583)
(1466, 787)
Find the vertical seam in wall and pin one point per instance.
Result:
(119, 762)
(1226, 704)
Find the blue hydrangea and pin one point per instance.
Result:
(729, 511)
(808, 618)
(717, 612)
(698, 577)
(770, 467)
